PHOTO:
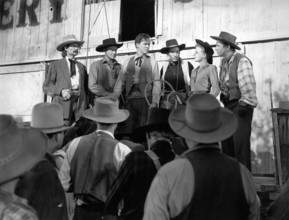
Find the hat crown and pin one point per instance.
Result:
(172, 43)
(105, 107)
(208, 49)
(109, 41)
(47, 116)
(203, 113)
(228, 36)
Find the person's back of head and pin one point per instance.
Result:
(163, 150)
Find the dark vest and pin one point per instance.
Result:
(219, 193)
(92, 168)
(145, 76)
(234, 90)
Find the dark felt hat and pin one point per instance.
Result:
(107, 43)
(208, 50)
(227, 38)
(170, 44)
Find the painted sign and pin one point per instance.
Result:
(27, 8)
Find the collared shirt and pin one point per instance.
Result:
(246, 80)
(119, 155)
(112, 68)
(173, 188)
(205, 79)
(132, 183)
(74, 79)
(155, 76)
(16, 208)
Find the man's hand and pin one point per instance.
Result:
(66, 93)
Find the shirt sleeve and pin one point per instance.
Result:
(171, 191)
(49, 85)
(120, 82)
(213, 76)
(64, 172)
(250, 194)
(247, 83)
(157, 84)
(119, 154)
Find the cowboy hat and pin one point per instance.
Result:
(208, 50)
(203, 120)
(69, 39)
(227, 38)
(107, 43)
(157, 120)
(170, 44)
(20, 148)
(105, 110)
(48, 117)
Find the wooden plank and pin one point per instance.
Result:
(159, 17)
(22, 68)
(44, 20)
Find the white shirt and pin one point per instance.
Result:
(74, 79)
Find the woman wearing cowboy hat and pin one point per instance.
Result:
(204, 79)
(66, 80)
(104, 73)
(176, 71)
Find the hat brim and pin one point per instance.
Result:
(226, 129)
(32, 144)
(63, 44)
(226, 41)
(139, 134)
(165, 50)
(45, 130)
(119, 116)
(208, 51)
(101, 47)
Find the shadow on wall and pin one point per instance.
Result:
(183, 1)
(262, 138)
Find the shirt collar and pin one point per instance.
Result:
(232, 57)
(105, 60)
(203, 67)
(143, 56)
(200, 146)
(104, 131)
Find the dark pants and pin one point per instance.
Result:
(239, 145)
(86, 212)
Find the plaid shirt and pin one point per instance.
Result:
(246, 80)
(15, 208)
(132, 184)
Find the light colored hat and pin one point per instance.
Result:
(69, 39)
(48, 117)
(203, 120)
(227, 38)
(106, 110)
(20, 148)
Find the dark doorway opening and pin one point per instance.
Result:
(137, 16)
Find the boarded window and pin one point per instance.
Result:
(137, 17)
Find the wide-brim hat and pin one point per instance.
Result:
(106, 110)
(48, 117)
(203, 120)
(158, 119)
(20, 148)
(107, 43)
(69, 39)
(208, 49)
(170, 44)
(227, 38)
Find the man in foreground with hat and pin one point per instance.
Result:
(176, 71)
(92, 161)
(204, 79)
(20, 150)
(136, 73)
(205, 183)
(104, 73)
(238, 94)
(139, 168)
(42, 187)
(66, 80)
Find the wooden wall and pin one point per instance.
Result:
(260, 25)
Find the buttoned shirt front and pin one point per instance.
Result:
(75, 78)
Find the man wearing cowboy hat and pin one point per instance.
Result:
(92, 161)
(136, 73)
(43, 181)
(176, 71)
(204, 78)
(20, 150)
(139, 168)
(104, 73)
(205, 183)
(66, 80)
(238, 94)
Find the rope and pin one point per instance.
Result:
(106, 18)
